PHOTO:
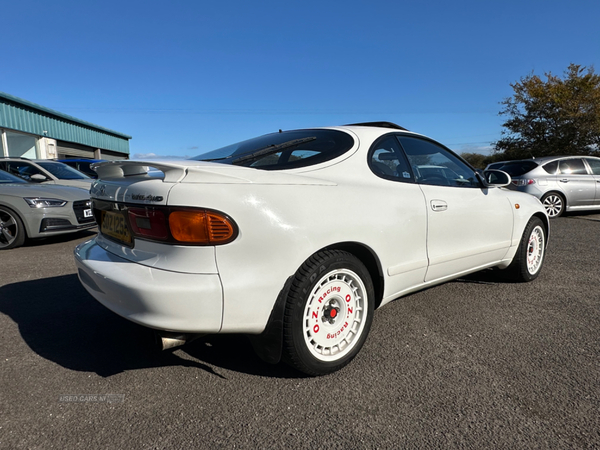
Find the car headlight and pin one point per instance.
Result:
(39, 202)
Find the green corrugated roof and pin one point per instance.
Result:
(22, 115)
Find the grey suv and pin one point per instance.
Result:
(562, 183)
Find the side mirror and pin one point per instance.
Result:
(38, 177)
(496, 178)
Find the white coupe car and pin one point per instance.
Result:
(295, 237)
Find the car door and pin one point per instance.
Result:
(578, 185)
(404, 254)
(594, 165)
(468, 226)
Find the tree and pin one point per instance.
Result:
(559, 116)
(477, 160)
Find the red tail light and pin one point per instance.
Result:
(523, 181)
(148, 223)
(182, 225)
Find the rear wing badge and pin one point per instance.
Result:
(100, 191)
(147, 197)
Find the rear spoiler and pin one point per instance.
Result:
(119, 169)
(200, 172)
(174, 172)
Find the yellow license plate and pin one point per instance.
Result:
(113, 225)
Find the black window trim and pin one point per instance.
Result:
(425, 138)
(412, 178)
(589, 167)
(300, 164)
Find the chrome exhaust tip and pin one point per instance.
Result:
(167, 340)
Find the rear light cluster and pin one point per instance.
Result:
(181, 225)
(522, 182)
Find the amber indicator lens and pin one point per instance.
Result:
(189, 226)
(200, 227)
(220, 229)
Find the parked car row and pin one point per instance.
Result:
(32, 210)
(562, 183)
(45, 171)
(295, 237)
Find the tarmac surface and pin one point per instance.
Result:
(474, 363)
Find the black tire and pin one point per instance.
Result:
(554, 203)
(328, 313)
(12, 231)
(529, 259)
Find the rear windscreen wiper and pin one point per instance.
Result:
(272, 149)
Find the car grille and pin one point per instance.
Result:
(55, 224)
(78, 208)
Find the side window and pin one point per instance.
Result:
(434, 165)
(386, 160)
(594, 165)
(23, 169)
(573, 166)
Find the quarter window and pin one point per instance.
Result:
(435, 165)
(551, 167)
(387, 160)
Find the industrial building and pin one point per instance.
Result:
(36, 132)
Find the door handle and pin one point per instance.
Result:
(564, 180)
(439, 205)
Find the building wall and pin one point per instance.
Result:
(33, 131)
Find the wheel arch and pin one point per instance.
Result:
(368, 257)
(560, 194)
(13, 210)
(557, 192)
(546, 221)
(269, 344)
(21, 218)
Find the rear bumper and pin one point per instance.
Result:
(159, 299)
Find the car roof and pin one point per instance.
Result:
(377, 125)
(81, 160)
(544, 159)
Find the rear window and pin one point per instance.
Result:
(284, 150)
(517, 168)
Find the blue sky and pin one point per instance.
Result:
(185, 77)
